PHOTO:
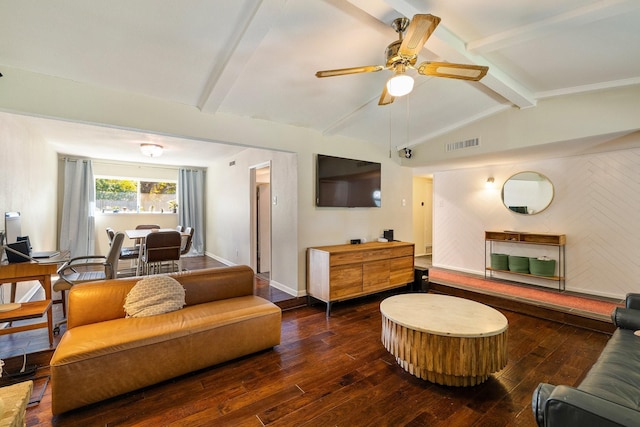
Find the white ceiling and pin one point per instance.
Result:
(258, 59)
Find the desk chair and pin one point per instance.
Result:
(87, 269)
(160, 247)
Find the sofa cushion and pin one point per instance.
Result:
(154, 295)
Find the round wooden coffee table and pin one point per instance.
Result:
(444, 339)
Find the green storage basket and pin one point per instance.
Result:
(499, 261)
(518, 264)
(542, 266)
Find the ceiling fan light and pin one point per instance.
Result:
(151, 150)
(400, 85)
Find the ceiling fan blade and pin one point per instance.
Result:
(345, 71)
(385, 98)
(419, 30)
(453, 71)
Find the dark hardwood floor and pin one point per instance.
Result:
(335, 372)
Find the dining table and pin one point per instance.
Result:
(140, 234)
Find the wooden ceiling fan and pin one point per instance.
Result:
(402, 55)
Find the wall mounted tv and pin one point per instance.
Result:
(347, 183)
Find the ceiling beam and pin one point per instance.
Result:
(257, 23)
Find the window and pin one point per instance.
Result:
(134, 195)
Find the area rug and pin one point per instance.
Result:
(549, 297)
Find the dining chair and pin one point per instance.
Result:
(110, 234)
(87, 268)
(186, 244)
(130, 253)
(147, 226)
(138, 242)
(187, 241)
(161, 247)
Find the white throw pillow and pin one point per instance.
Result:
(154, 295)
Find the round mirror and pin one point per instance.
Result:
(527, 193)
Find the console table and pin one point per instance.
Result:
(523, 238)
(342, 272)
(24, 272)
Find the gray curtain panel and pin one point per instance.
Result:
(191, 200)
(77, 230)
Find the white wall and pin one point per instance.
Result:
(28, 172)
(229, 193)
(577, 122)
(596, 205)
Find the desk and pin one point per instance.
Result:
(24, 272)
(142, 234)
(443, 339)
(59, 259)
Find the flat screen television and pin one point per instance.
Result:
(347, 183)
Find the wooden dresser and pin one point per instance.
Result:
(342, 272)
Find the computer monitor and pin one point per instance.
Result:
(12, 226)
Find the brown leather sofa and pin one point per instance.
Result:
(103, 353)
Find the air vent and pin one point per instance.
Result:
(232, 163)
(473, 142)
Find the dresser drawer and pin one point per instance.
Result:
(402, 251)
(376, 255)
(345, 281)
(343, 258)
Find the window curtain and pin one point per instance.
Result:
(191, 205)
(77, 230)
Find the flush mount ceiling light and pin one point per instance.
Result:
(151, 150)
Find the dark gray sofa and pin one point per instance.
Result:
(609, 395)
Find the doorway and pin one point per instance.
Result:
(423, 216)
(261, 220)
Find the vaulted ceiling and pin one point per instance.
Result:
(258, 59)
